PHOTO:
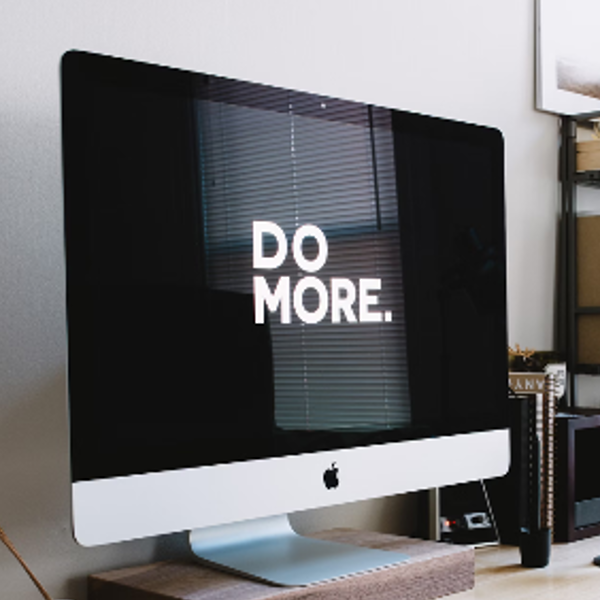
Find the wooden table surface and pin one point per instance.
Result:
(569, 576)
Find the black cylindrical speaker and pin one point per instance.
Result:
(535, 547)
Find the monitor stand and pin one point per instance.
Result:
(270, 550)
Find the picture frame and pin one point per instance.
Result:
(568, 56)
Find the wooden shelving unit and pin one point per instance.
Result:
(569, 310)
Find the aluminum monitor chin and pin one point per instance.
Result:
(276, 300)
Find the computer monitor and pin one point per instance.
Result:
(276, 301)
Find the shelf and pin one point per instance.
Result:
(583, 369)
(588, 310)
(588, 178)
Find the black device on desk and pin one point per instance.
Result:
(466, 515)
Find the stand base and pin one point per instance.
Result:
(270, 550)
(433, 570)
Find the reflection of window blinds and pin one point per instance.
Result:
(292, 168)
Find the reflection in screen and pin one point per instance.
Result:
(290, 169)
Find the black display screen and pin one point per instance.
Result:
(256, 272)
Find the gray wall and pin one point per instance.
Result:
(465, 59)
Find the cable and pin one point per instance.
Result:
(490, 510)
(14, 552)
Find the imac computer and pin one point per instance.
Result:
(276, 301)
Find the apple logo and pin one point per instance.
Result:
(330, 477)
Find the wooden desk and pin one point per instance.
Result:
(569, 576)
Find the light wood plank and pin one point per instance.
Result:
(434, 570)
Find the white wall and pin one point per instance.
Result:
(465, 59)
